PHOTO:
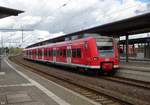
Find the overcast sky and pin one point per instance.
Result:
(51, 18)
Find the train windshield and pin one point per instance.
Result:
(105, 47)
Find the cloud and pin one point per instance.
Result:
(7, 22)
(65, 16)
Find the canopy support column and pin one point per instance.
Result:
(127, 43)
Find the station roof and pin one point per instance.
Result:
(5, 12)
(133, 25)
(136, 41)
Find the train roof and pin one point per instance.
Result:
(61, 43)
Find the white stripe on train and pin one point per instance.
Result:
(74, 65)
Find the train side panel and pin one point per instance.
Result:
(85, 53)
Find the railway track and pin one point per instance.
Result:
(96, 92)
(132, 82)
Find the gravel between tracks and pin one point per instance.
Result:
(127, 93)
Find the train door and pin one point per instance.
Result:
(54, 54)
(31, 54)
(86, 55)
(42, 53)
(36, 54)
(69, 54)
(64, 54)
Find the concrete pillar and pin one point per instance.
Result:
(123, 47)
(148, 50)
(117, 39)
(144, 50)
(127, 43)
(118, 45)
(133, 47)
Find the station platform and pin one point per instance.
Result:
(136, 59)
(135, 70)
(22, 87)
(141, 66)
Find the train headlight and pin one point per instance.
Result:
(95, 58)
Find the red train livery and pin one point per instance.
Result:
(89, 53)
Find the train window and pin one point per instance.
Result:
(29, 52)
(68, 53)
(57, 53)
(79, 52)
(49, 52)
(36, 52)
(60, 52)
(74, 53)
(39, 53)
(54, 52)
(64, 52)
(45, 52)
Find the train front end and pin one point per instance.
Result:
(108, 54)
(105, 54)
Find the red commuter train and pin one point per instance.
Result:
(90, 52)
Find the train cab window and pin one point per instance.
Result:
(64, 52)
(105, 47)
(79, 52)
(68, 53)
(74, 53)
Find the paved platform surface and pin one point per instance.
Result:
(22, 87)
(136, 66)
(135, 70)
(136, 59)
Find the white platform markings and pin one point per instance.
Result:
(66, 89)
(25, 84)
(46, 91)
(2, 73)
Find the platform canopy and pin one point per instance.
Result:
(5, 12)
(134, 25)
(136, 41)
